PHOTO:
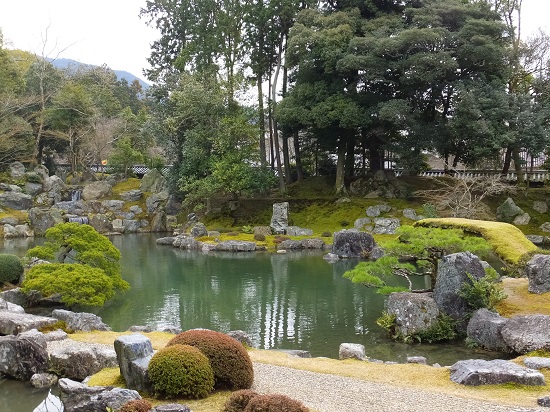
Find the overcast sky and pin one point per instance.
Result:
(111, 32)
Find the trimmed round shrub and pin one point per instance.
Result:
(11, 268)
(259, 237)
(229, 359)
(274, 403)
(181, 370)
(238, 400)
(138, 405)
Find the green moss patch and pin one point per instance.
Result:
(508, 242)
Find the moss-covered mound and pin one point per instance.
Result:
(229, 359)
(508, 242)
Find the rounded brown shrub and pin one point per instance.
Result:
(238, 400)
(229, 359)
(274, 403)
(139, 405)
(181, 370)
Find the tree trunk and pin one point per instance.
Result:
(517, 167)
(261, 119)
(507, 161)
(376, 158)
(340, 187)
(286, 160)
(274, 120)
(350, 156)
(299, 167)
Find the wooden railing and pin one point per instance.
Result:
(531, 176)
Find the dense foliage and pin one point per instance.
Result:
(181, 370)
(238, 400)
(11, 268)
(229, 359)
(86, 269)
(274, 402)
(138, 405)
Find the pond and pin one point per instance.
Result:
(283, 301)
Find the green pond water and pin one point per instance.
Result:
(283, 301)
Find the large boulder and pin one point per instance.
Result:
(80, 321)
(77, 360)
(96, 190)
(101, 223)
(156, 201)
(153, 181)
(385, 226)
(528, 333)
(54, 188)
(313, 243)
(187, 243)
(414, 312)
(376, 210)
(199, 230)
(23, 355)
(236, 246)
(476, 372)
(12, 323)
(298, 231)
(485, 330)
(279, 219)
(42, 219)
(351, 351)
(17, 231)
(537, 271)
(508, 211)
(158, 222)
(16, 200)
(131, 195)
(78, 397)
(133, 354)
(352, 244)
(452, 274)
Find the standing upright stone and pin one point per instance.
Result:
(353, 244)
(538, 273)
(133, 354)
(279, 219)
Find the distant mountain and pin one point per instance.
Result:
(120, 74)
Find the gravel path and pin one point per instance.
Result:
(332, 393)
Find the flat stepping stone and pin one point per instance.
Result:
(535, 362)
(12, 323)
(476, 372)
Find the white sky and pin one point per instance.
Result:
(111, 32)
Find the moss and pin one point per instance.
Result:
(131, 183)
(508, 242)
(18, 214)
(520, 301)
(107, 377)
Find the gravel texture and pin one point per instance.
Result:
(332, 393)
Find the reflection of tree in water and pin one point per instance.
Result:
(16, 396)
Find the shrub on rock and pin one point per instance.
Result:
(274, 403)
(139, 405)
(181, 370)
(229, 359)
(238, 400)
(11, 268)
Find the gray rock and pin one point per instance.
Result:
(17, 170)
(199, 230)
(12, 323)
(17, 201)
(118, 226)
(187, 243)
(22, 356)
(296, 353)
(153, 181)
(236, 246)
(18, 231)
(544, 401)
(331, 257)
(508, 211)
(55, 335)
(73, 207)
(279, 218)
(33, 189)
(537, 239)
(314, 243)
(43, 219)
(352, 244)
(113, 205)
(214, 233)
(131, 225)
(290, 245)
(96, 190)
(386, 226)
(540, 206)
(414, 312)
(43, 380)
(78, 397)
(173, 205)
(476, 372)
(158, 222)
(15, 296)
(78, 360)
(11, 307)
(522, 219)
(545, 227)
(131, 195)
(528, 333)
(342, 200)
(80, 321)
(241, 336)
(135, 209)
(169, 240)
(9, 220)
(261, 230)
(535, 362)
(351, 351)
(452, 274)
(485, 329)
(537, 271)
(411, 214)
(377, 210)
(363, 223)
(420, 360)
(133, 354)
(101, 223)
(298, 231)
(42, 171)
